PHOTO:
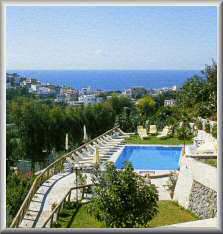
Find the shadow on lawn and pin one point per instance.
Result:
(68, 214)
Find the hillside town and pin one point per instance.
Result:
(75, 97)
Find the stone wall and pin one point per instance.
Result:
(202, 201)
(196, 188)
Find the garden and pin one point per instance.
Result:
(122, 199)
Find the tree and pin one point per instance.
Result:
(31, 118)
(146, 105)
(193, 92)
(128, 120)
(119, 102)
(14, 147)
(166, 115)
(199, 93)
(122, 199)
(210, 73)
(184, 131)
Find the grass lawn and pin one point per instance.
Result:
(211, 162)
(135, 139)
(169, 213)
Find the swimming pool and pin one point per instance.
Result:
(150, 157)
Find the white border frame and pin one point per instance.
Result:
(5, 3)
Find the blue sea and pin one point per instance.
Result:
(111, 79)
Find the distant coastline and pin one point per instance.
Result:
(111, 79)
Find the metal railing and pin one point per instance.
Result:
(48, 172)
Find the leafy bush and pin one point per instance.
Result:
(165, 115)
(146, 106)
(122, 199)
(128, 121)
(16, 191)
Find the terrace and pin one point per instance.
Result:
(57, 185)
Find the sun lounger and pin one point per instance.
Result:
(109, 138)
(143, 134)
(200, 138)
(118, 135)
(105, 149)
(124, 134)
(90, 159)
(83, 156)
(109, 142)
(206, 150)
(203, 137)
(139, 128)
(88, 151)
(152, 129)
(165, 133)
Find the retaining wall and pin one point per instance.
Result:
(203, 200)
(196, 188)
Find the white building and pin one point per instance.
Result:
(127, 92)
(43, 91)
(169, 102)
(89, 99)
(86, 91)
(33, 88)
(174, 88)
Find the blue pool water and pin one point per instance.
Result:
(150, 157)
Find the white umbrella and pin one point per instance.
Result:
(66, 142)
(85, 134)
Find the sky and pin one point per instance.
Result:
(110, 37)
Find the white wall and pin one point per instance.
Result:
(192, 169)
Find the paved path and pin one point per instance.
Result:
(51, 191)
(161, 187)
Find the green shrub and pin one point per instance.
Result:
(16, 191)
(123, 199)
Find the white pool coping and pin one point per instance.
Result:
(116, 155)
